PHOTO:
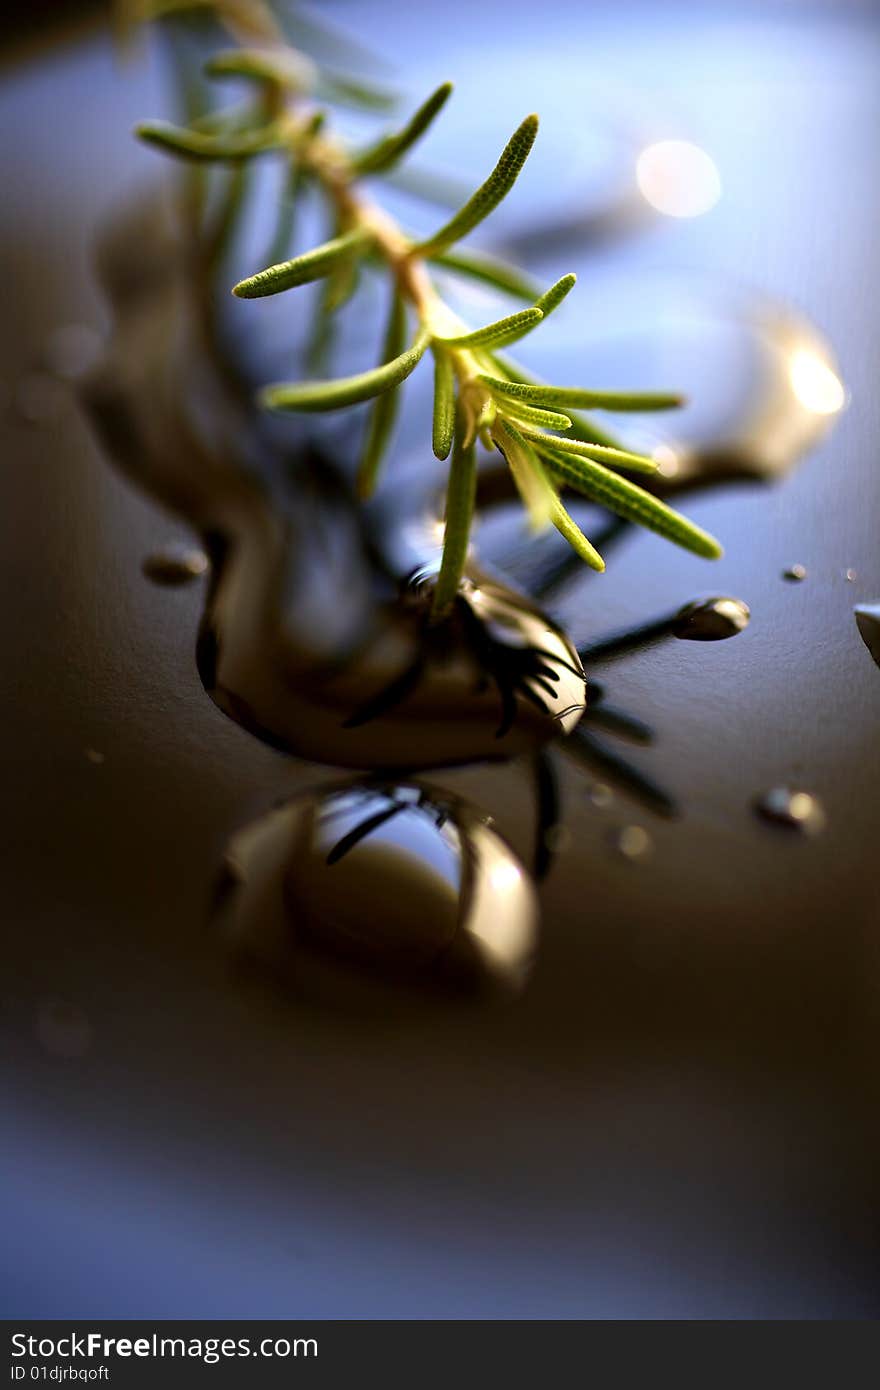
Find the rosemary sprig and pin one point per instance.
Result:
(478, 394)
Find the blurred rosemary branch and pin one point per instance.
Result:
(479, 395)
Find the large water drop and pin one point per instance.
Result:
(711, 619)
(397, 878)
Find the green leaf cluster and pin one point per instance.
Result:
(479, 394)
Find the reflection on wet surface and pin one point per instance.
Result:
(369, 683)
(372, 683)
(448, 899)
(762, 386)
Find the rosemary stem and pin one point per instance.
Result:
(460, 498)
(325, 160)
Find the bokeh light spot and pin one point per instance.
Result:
(817, 387)
(678, 178)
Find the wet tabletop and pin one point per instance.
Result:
(677, 1117)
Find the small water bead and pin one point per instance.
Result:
(850, 576)
(867, 617)
(711, 619)
(797, 810)
(632, 842)
(600, 795)
(795, 573)
(175, 565)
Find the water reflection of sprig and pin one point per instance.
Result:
(516, 671)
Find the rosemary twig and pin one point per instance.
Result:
(460, 496)
(477, 393)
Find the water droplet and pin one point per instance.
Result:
(868, 622)
(795, 573)
(711, 619)
(799, 810)
(175, 564)
(94, 756)
(387, 877)
(63, 1029)
(72, 349)
(632, 842)
(850, 576)
(600, 795)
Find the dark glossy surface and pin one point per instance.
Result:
(678, 1117)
